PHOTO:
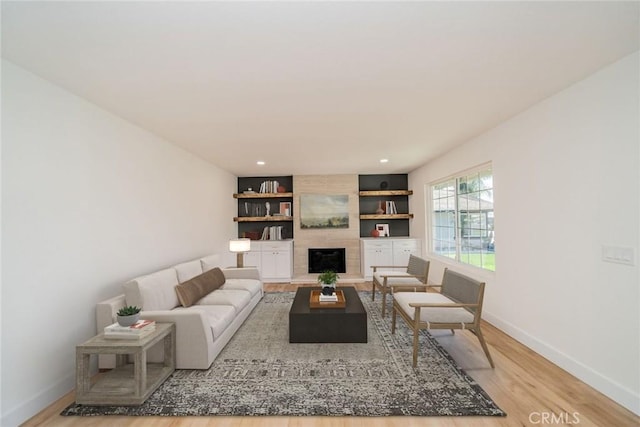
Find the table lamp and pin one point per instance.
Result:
(240, 246)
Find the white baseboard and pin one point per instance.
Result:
(33, 406)
(618, 393)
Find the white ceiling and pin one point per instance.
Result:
(317, 87)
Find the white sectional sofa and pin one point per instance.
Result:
(203, 328)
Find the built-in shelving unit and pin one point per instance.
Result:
(384, 193)
(258, 210)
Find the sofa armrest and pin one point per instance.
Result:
(106, 315)
(241, 273)
(194, 339)
(106, 312)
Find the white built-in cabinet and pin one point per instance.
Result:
(374, 252)
(386, 251)
(272, 258)
(402, 248)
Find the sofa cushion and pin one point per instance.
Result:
(153, 292)
(210, 262)
(432, 314)
(218, 317)
(194, 289)
(408, 280)
(188, 270)
(236, 298)
(250, 285)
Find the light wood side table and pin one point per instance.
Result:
(126, 384)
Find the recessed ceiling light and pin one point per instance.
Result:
(260, 163)
(384, 160)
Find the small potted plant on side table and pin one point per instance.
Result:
(128, 315)
(328, 279)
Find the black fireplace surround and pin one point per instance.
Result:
(322, 259)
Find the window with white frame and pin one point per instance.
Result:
(462, 221)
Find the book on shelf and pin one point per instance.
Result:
(390, 207)
(269, 187)
(253, 209)
(273, 232)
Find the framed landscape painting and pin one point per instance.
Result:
(324, 211)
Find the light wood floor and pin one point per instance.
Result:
(525, 385)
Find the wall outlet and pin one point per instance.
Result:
(619, 255)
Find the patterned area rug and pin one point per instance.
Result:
(260, 373)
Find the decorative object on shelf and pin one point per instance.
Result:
(128, 315)
(285, 208)
(251, 235)
(328, 279)
(383, 230)
(240, 246)
(267, 206)
(281, 189)
(384, 185)
(380, 210)
(249, 191)
(375, 233)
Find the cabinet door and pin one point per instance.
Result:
(276, 260)
(403, 248)
(252, 259)
(375, 252)
(269, 264)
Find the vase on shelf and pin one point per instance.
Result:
(380, 210)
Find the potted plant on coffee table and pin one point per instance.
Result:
(328, 279)
(128, 315)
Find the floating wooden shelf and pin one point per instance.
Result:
(385, 216)
(261, 195)
(275, 218)
(378, 193)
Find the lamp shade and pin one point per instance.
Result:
(240, 245)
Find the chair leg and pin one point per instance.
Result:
(416, 336)
(384, 301)
(373, 290)
(416, 343)
(484, 346)
(393, 319)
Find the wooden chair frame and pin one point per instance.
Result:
(416, 324)
(385, 286)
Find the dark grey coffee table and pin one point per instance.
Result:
(327, 325)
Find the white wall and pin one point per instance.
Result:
(88, 201)
(566, 179)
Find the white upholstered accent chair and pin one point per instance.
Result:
(458, 305)
(414, 277)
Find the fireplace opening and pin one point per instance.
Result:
(322, 259)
